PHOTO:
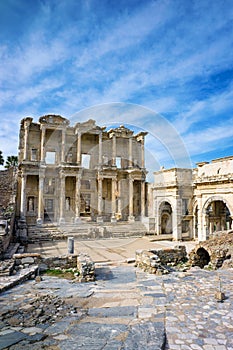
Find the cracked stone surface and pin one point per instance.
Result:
(125, 308)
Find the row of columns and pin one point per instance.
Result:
(62, 198)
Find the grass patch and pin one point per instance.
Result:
(66, 273)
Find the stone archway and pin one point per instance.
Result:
(165, 217)
(200, 258)
(217, 215)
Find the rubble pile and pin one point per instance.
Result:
(215, 253)
(160, 261)
(42, 309)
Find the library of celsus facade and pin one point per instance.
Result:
(69, 172)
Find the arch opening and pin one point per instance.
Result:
(218, 217)
(202, 258)
(165, 218)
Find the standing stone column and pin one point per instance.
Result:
(131, 216)
(114, 150)
(119, 200)
(79, 148)
(130, 152)
(63, 142)
(23, 196)
(142, 154)
(142, 199)
(100, 199)
(41, 199)
(100, 149)
(62, 197)
(77, 198)
(176, 220)
(26, 133)
(42, 144)
(113, 217)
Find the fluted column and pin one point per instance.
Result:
(131, 216)
(23, 196)
(77, 198)
(63, 142)
(42, 144)
(114, 150)
(79, 148)
(130, 152)
(100, 149)
(100, 199)
(62, 197)
(113, 217)
(40, 216)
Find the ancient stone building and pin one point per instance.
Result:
(69, 172)
(186, 203)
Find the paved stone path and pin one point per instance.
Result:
(127, 309)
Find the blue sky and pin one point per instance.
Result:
(172, 57)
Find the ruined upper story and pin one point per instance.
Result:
(218, 170)
(53, 141)
(175, 177)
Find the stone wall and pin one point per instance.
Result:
(156, 261)
(81, 262)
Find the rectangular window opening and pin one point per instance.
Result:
(50, 157)
(86, 161)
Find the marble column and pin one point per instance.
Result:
(100, 199)
(26, 134)
(40, 215)
(63, 143)
(113, 217)
(62, 197)
(23, 196)
(114, 150)
(130, 152)
(79, 148)
(77, 198)
(42, 144)
(142, 199)
(142, 154)
(100, 149)
(131, 216)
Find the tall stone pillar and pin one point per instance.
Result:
(142, 154)
(201, 221)
(177, 220)
(142, 199)
(40, 216)
(42, 144)
(26, 134)
(62, 197)
(131, 216)
(77, 198)
(63, 143)
(79, 148)
(100, 149)
(23, 196)
(114, 150)
(130, 152)
(100, 199)
(113, 217)
(119, 200)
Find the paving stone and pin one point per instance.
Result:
(12, 338)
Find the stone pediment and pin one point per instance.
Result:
(53, 119)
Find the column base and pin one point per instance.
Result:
(131, 218)
(113, 218)
(39, 221)
(99, 219)
(61, 221)
(77, 220)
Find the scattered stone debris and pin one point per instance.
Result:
(160, 261)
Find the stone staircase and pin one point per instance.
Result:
(85, 230)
